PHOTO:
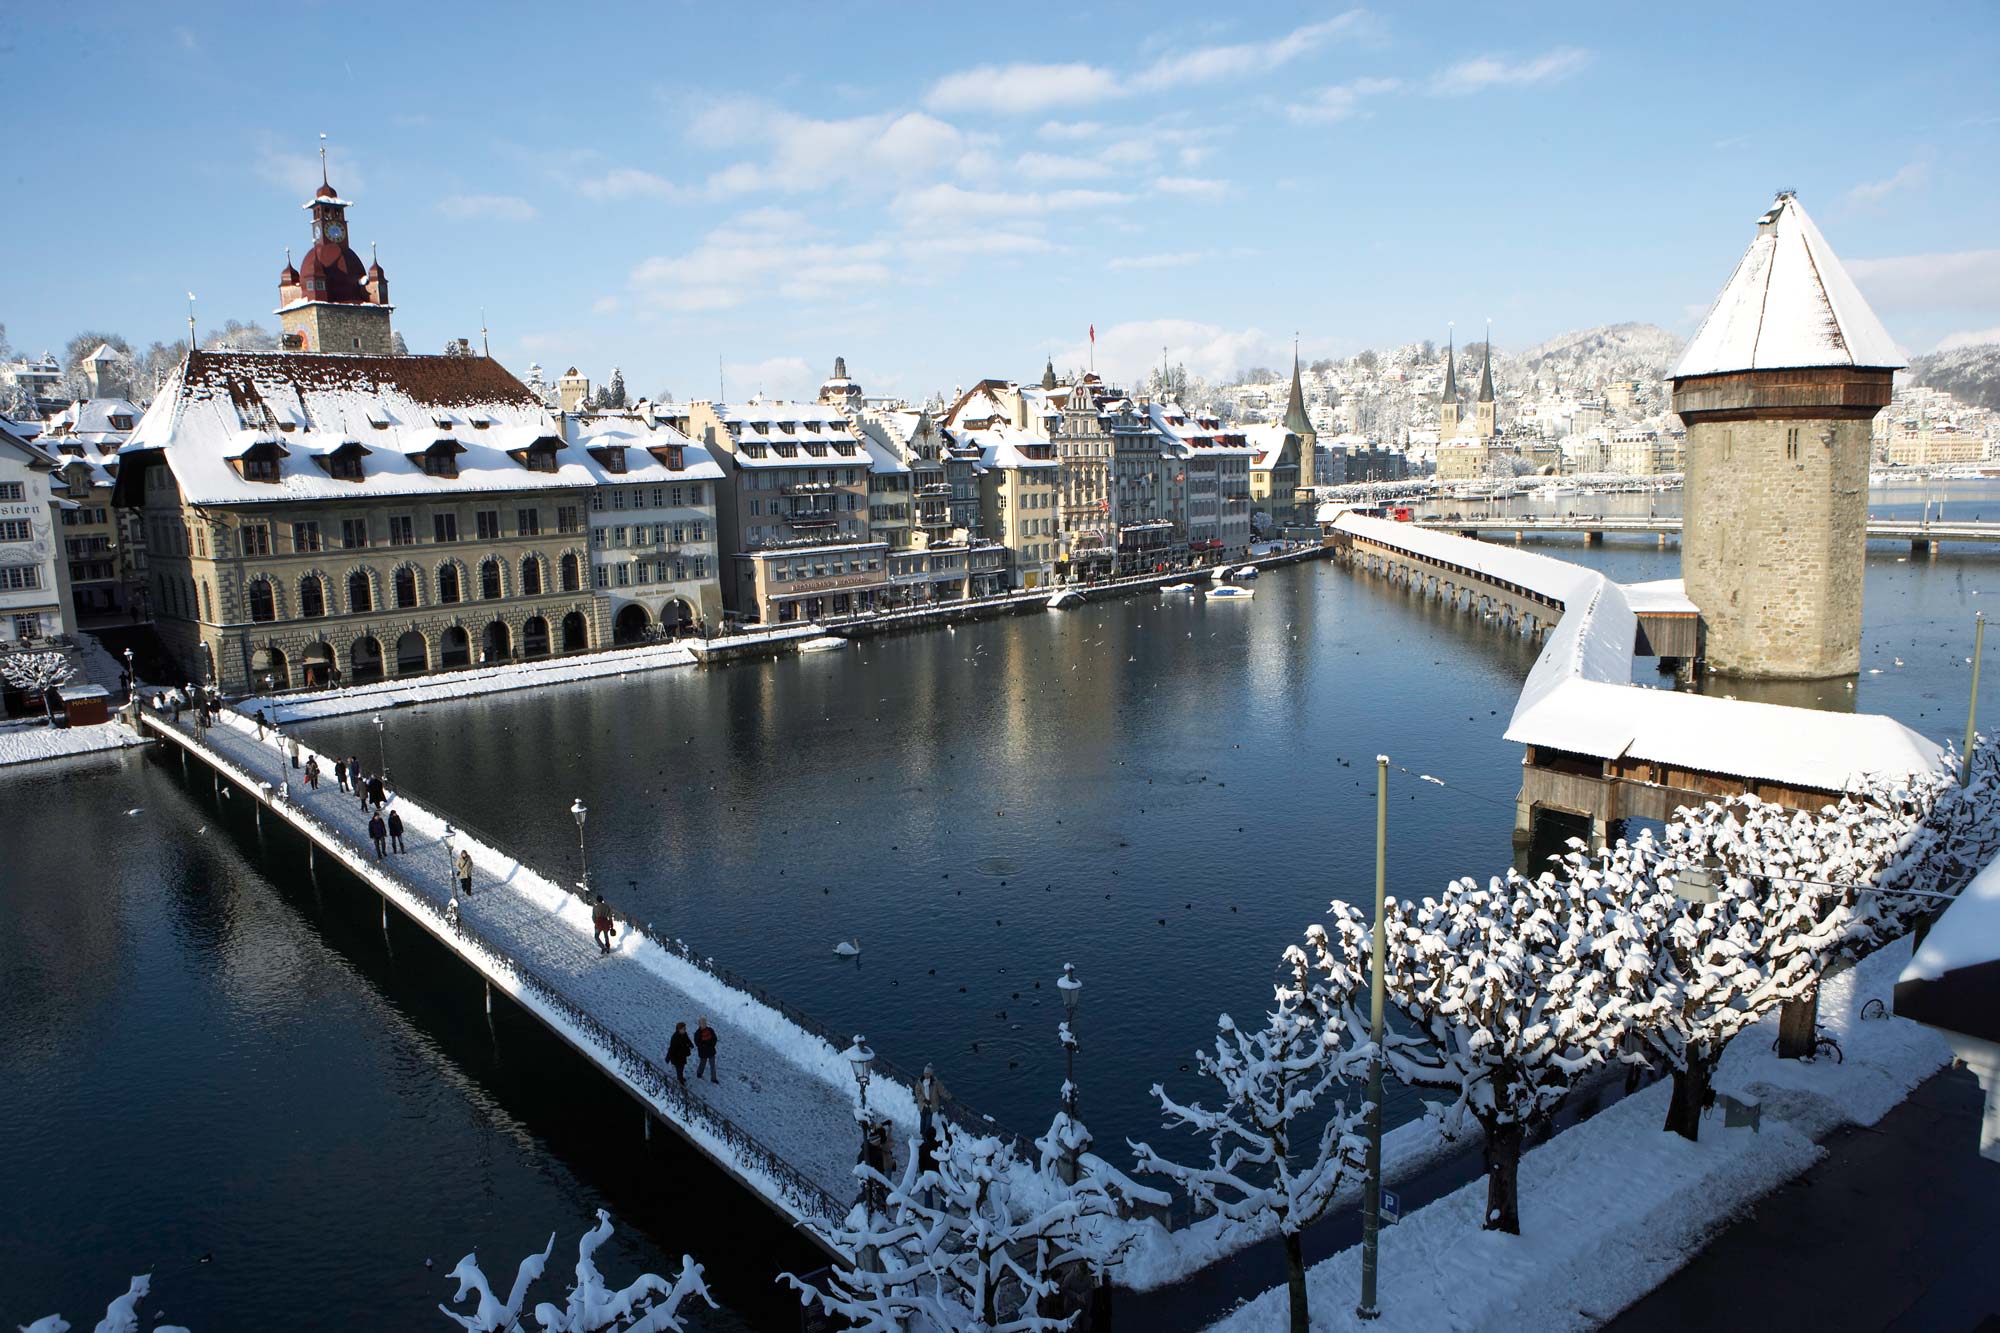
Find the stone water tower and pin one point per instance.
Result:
(1778, 389)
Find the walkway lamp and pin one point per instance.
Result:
(580, 810)
(381, 746)
(859, 1058)
(131, 680)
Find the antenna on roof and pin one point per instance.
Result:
(721, 389)
(484, 350)
(322, 160)
(190, 321)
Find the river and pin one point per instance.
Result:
(205, 1052)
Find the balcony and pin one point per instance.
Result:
(935, 488)
(807, 488)
(811, 518)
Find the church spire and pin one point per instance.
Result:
(1296, 418)
(1486, 375)
(1450, 394)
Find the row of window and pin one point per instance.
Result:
(635, 497)
(820, 567)
(642, 572)
(778, 507)
(619, 536)
(17, 578)
(757, 533)
(405, 587)
(807, 476)
(13, 490)
(16, 530)
(402, 530)
(86, 516)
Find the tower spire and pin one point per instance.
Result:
(322, 161)
(1297, 420)
(1486, 375)
(1450, 367)
(190, 321)
(484, 350)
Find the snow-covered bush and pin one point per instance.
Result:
(1508, 995)
(121, 1316)
(38, 674)
(649, 1304)
(1279, 1145)
(980, 1241)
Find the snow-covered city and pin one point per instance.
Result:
(1027, 672)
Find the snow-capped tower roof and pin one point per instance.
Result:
(1486, 372)
(1296, 419)
(1789, 305)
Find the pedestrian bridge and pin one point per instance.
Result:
(782, 1118)
(1922, 536)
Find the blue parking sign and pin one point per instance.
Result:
(1392, 1207)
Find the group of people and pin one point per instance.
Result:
(207, 704)
(701, 1044)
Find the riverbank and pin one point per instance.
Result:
(31, 742)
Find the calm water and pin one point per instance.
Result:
(204, 1052)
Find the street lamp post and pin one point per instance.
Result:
(131, 680)
(580, 810)
(382, 747)
(859, 1058)
(1072, 992)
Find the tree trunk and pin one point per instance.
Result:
(1503, 1171)
(1798, 1026)
(1691, 1098)
(1295, 1281)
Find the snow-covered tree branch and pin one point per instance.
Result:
(121, 1316)
(39, 674)
(649, 1304)
(1279, 1145)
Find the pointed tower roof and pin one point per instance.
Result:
(1450, 394)
(1049, 374)
(1296, 419)
(1788, 305)
(1486, 373)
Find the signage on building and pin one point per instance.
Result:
(825, 585)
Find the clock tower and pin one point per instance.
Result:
(330, 303)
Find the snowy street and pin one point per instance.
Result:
(777, 1083)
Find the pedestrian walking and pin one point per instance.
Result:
(361, 791)
(679, 1049)
(260, 724)
(177, 710)
(375, 790)
(600, 917)
(465, 873)
(312, 773)
(395, 831)
(379, 832)
(292, 744)
(931, 1097)
(704, 1046)
(340, 773)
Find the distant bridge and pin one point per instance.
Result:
(1922, 536)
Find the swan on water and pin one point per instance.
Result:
(848, 948)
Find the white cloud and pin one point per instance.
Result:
(487, 207)
(1021, 88)
(808, 154)
(1492, 71)
(787, 377)
(955, 204)
(766, 251)
(1191, 185)
(1970, 338)
(1954, 280)
(299, 173)
(1179, 260)
(604, 305)
(1069, 131)
(1127, 351)
(1059, 167)
(1339, 101)
(626, 183)
(1905, 178)
(1209, 64)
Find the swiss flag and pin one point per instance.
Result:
(1093, 333)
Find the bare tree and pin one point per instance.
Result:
(38, 673)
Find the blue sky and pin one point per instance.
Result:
(949, 191)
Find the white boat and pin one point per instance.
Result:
(1246, 572)
(1066, 598)
(1177, 587)
(825, 643)
(1230, 590)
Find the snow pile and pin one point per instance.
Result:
(25, 744)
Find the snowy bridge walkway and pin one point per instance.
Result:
(782, 1118)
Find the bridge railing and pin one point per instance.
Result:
(636, 1066)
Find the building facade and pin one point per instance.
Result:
(34, 576)
(653, 540)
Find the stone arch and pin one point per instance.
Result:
(535, 637)
(451, 582)
(359, 588)
(406, 587)
(269, 661)
(677, 615)
(631, 623)
(413, 653)
(312, 595)
(575, 632)
(364, 660)
(492, 578)
(454, 647)
(534, 581)
(262, 599)
(496, 642)
(317, 662)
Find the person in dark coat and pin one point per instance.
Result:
(679, 1049)
(465, 872)
(600, 917)
(704, 1046)
(375, 791)
(379, 832)
(260, 724)
(360, 790)
(340, 773)
(395, 831)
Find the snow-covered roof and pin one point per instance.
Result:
(1269, 441)
(217, 405)
(1661, 596)
(1186, 433)
(90, 421)
(639, 438)
(1788, 305)
(1579, 695)
(1966, 935)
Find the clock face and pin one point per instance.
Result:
(335, 232)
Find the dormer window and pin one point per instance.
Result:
(539, 456)
(612, 457)
(259, 469)
(756, 451)
(440, 459)
(120, 421)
